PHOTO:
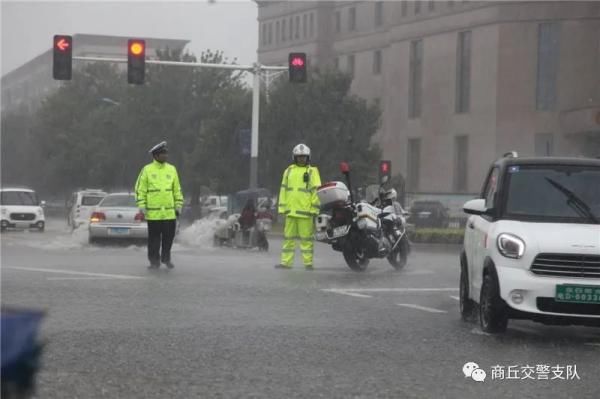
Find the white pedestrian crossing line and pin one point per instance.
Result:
(423, 308)
(455, 298)
(346, 292)
(60, 271)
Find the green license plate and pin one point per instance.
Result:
(578, 293)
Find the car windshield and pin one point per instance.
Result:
(545, 192)
(91, 200)
(26, 198)
(112, 201)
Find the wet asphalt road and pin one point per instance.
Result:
(225, 324)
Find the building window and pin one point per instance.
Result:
(379, 13)
(461, 163)
(351, 19)
(351, 65)
(264, 34)
(404, 8)
(450, 3)
(377, 62)
(311, 24)
(304, 25)
(547, 65)
(291, 36)
(297, 27)
(270, 32)
(417, 7)
(414, 162)
(544, 144)
(277, 32)
(431, 5)
(415, 79)
(338, 22)
(283, 31)
(336, 63)
(463, 72)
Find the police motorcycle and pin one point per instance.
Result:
(361, 230)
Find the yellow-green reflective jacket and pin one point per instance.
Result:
(297, 195)
(158, 191)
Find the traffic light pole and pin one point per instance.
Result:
(255, 69)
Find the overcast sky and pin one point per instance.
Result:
(28, 26)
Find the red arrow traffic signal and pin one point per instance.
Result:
(63, 44)
(62, 61)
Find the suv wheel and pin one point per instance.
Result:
(466, 304)
(493, 315)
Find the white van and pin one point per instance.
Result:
(20, 208)
(81, 205)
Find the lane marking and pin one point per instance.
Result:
(526, 330)
(79, 278)
(391, 289)
(343, 292)
(60, 271)
(455, 298)
(593, 344)
(424, 308)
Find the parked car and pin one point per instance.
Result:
(532, 244)
(117, 217)
(428, 214)
(21, 208)
(81, 204)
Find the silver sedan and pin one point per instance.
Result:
(117, 218)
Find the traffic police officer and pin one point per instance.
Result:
(158, 195)
(298, 201)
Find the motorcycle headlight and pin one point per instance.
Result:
(511, 246)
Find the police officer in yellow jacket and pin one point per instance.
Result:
(298, 201)
(158, 195)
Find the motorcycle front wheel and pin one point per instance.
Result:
(399, 256)
(355, 258)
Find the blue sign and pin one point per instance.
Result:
(245, 140)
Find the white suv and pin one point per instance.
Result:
(532, 244)
(20, 208)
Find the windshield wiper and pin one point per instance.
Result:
(579, 205)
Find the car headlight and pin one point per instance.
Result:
(511, 246)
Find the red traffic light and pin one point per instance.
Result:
(62, 57)
(344, 167)
(385, 167)
(62, 43)
(297, 62)
(297, 67)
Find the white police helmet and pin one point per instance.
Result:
(390, 195)
(301, 150)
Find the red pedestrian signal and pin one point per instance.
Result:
(385, 170)
(62, 61)
(297, 67)
(136, 61)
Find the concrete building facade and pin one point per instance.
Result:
(459, 82)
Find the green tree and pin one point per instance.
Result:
(335, 124)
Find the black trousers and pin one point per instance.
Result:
(160, 232)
